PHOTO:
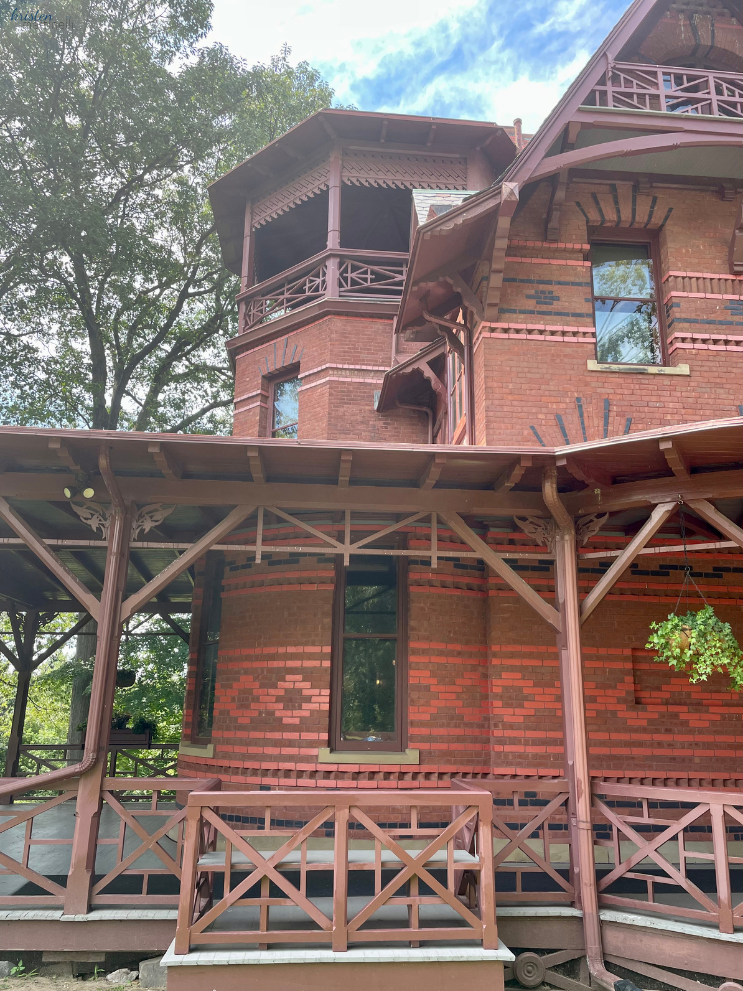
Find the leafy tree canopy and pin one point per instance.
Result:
(114, 305)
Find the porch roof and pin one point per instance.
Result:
(203, 477)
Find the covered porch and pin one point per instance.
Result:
(641, 868)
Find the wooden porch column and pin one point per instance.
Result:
(19, 718)
(88, 810)
(334, 221)
(247, 266)
(574, 728)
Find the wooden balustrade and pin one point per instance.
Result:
(265, 884)
(675, 843)
(532, 842)
(156, 760)
(139, 843)
(377, 275)
(627, 86)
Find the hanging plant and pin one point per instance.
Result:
(698, 644)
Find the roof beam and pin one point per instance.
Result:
(720, 522)
(657, 518)
(589, 474)
(629, 495)
(455, 522)
(294, 495)
(165, 461)
(175, 568)
(47, 556)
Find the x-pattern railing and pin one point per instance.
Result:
(675, 90)
(27, 816)
(671, 818)
(341, 812)
(362, 278)
(156, 760)
(287, 295)
(515, 802)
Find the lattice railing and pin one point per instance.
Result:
(531, 840)
(138, 850)
(354, 274)
(668, 89)
(276, 849)
(672, 851)
(157, 760)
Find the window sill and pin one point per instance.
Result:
(598, 366)
(327, 756)
(196, 749)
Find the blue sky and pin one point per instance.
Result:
(476, 59)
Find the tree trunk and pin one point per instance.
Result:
(19, 718)
(80, 702)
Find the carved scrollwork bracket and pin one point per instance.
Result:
(97, 517)
(541, 531)
(589, 526)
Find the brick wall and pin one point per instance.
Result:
(484, 690)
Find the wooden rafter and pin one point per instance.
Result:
(675, 458)
(175, 568)
(513, 475)
(431, 475)
(256, 465)
(586, 473)
(344, 469)
(64, 454)
(506, 572)
(304, 526)
(47, 556)
(657, 518)
(165, 461)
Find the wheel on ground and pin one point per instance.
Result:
(529, 970)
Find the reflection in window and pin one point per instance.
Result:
(285, 412)
(368, 704)
(209, 645)
(627, 328)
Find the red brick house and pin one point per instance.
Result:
(487, 422)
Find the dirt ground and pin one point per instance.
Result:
(36, 983)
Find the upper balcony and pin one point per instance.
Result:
(667, 89)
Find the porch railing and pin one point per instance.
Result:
(626, 86)
(157, 760)
(365, 275)
(673, 851)
(138, 850)
(394, 862)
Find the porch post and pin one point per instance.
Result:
(19, 718)
(574, 728)
(334, 222)
(247, 266)
(88, 810)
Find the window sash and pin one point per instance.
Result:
(208, 648)
(397, 742)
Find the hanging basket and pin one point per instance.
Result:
(698, 644)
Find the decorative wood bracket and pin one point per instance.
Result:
(675, 459)
(97, 517)
(589, 526)
(542, 531)
(513, 475)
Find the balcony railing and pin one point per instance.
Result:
(347, 274)
(626, 86)
(157, 760)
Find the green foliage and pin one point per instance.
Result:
(698, 644)
(112, 291)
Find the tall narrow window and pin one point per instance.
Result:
(369, 663)
(627, 322)
(285, 407)
(211, 617)
(457, 411)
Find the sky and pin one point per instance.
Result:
(470, 59)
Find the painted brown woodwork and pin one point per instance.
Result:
(431, 475)
(165, 461)
(675, 458)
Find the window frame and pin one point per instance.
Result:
(273, 382)
(213, 560)
(651, 239)
(399, 744)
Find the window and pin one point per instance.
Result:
(627, 319)
(456, 398)
(285, 407)
(211, 617)
(367, 709)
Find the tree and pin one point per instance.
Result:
(113, 292)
